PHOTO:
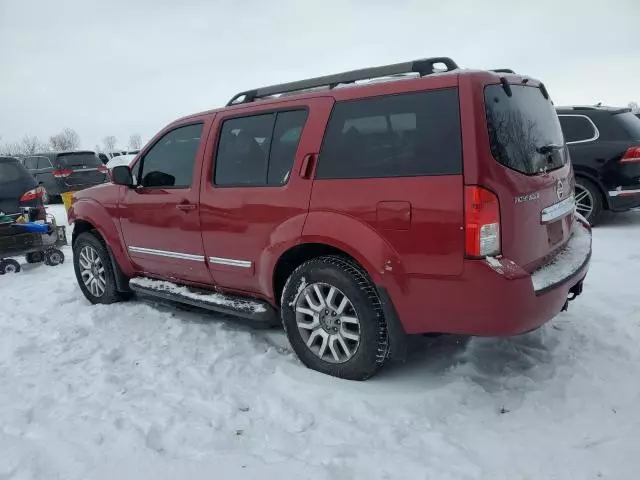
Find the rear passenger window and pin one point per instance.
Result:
(393, 136)
(577, 128)
(258, 150)
(286, 136)
(170, 161)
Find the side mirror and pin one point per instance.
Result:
(121, 175)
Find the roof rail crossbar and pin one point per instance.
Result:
(426, 66)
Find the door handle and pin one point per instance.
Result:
(186, 207)
(307, 165)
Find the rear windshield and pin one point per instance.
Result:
(79, 160)
(524, 130)
(11, 171)
(630, 123)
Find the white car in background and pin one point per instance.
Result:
(120, 160)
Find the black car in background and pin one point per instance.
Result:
(604, 144)
(61, 172)
(18, 189)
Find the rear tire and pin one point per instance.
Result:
(589, 201)
(344, 333)
(53, 257)
(94, 271)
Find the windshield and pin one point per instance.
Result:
(82, 159)
(630, 123)
(524, 130)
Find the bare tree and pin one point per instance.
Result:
(635, 108)
(13, 149)
(68, 139)
(32, 144)
(135, 142)
(29, 145)
(109, 143)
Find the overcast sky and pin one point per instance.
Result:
(131, 66)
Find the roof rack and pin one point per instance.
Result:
(502, 70)
(426, 66)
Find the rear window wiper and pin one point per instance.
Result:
(547, 149)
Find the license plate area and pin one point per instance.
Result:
(555, 232)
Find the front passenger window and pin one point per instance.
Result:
(170, 162)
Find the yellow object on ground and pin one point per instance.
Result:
(66, 199)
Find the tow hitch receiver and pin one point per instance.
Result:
(573, 293)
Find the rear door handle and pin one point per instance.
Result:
(186, 207)
(307, 165)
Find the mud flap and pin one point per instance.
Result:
(398, 338)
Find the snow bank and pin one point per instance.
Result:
(136, 391)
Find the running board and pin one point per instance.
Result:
(238, 306)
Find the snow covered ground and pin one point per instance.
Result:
(137, 390)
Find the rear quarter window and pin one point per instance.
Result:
(403, 135)
(577, 128)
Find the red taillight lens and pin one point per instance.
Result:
(103, 169)
(65, 172)
(482, 222)
(37, 192)
(632, 155)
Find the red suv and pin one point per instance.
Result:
(355, 208)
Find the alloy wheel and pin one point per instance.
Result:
(92, 271)
(328, 322)
(584, 201)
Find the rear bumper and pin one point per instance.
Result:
(496, 297)
(623, 199)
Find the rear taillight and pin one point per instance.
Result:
(37, 192)
(103, 169)
(62, 173)
(482, 222)
(632, 155)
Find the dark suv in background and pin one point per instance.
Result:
(18, 189)
(604, 143)
(60, 172)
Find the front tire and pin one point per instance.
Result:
(333, 318)
(94, 271)
(9, 266)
